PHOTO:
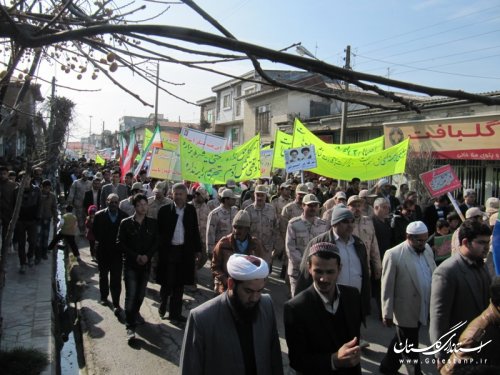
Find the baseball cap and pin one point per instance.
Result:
(310, 199)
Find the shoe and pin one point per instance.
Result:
(178, 319)
(162, 310)
(363, 344)
(117, 311)
(22, 269)
(130, 335)
(94, 259)
(30, 262)
(104, 302)
(139, 320)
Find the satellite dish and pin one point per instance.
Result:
(304, 51)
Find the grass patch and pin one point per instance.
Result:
(22, 361)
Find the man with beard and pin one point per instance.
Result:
(322, 324)
(460, 284)
(234, 333)
(406, 289)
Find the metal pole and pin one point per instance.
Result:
(343, 122)
(157, 85)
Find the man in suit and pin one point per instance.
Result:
(460, 284)
(406, 289)
(322, 324)
(93, 196)
(114, 187)
(109, 253)
(234, 333)
(180, 247)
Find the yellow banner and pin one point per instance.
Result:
(99, 160)
(164, 165)
(170, 140)
(302, 136)
(239, 164)
(147, 137)
(282, 141)
(335, 164)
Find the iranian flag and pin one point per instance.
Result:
(154, 142)
(131, 151)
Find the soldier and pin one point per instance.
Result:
(278, 203)
(200, 197)
(328, 206)
(75, 198)
(263, 221)
(157, 200)
(293, 209)
(364, 229)
(215, 202)
(219, 222)
(300, 231)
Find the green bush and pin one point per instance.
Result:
(22, 361)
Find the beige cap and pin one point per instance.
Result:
(228, 193)
(261, 189)
(160, 186)
(492, 205)
(203, 192)
(242, 218)
(473, 212)
(340, 194)
(137, 186)
(220, 190)
(310, 199)
(231, 184)
(354, 198)
(301, 189)
(98, 176)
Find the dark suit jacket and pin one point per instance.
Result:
(88, 200)
(121, 190)
(105, 232)
(431, 217)
(167, 220)
(455, 296)
(309, 335)
(305, 280)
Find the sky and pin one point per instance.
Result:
(453, 44)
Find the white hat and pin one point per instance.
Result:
(340, 194)
(416, 227)
(247, 267)
(382, 182)
(473, 212)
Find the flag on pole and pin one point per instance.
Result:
(123, 150)
(229, 141)
(132, 151)
(148, 134)
(154, 142)
(99, 160)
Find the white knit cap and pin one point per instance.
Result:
(247, 267)
(416, 227)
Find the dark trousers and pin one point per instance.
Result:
(43, 236)
(136, 281)
(113, 284)
(69, 240)
(5, 226)
(392, 360)
(29, 228)
(173, 288)
(92, 248)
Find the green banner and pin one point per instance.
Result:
(335, 164)
(282, 141)
(302, 136)
(239, 164)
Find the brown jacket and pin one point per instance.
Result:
(222, 251)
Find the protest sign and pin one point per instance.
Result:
(300, 159)
(440, 181)
(164, 165)
(266, 161)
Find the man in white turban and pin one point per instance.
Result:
(406, 289)
(234, 333)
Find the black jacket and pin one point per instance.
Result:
(138, 239)
(105, 232)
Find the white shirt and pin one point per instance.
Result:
(331, 307)
(352, 272)
(424, 275)
(178, 238)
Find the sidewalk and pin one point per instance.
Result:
(27, 309)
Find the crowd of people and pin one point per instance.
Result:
(347, 252)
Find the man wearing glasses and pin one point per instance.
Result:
(461, 283)
(406, 289)
(352, 251)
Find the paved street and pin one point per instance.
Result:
(158, 343)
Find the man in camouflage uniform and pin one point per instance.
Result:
(212, 204)
(364, 229)
(158, 200)
(75, 198)
(278, 203)
(293, 209)
(199, 202)
(264, 223)
(300, 231)
(220, 220)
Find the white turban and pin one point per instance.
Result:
(416, 227)
(247, 267)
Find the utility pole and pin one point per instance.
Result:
(157, 85)
(90, 126)
(343, 122)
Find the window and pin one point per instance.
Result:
(262, 119)
(238, 107)
(210, 115)
(226, 101)
(249, 90)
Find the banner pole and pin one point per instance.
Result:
(455, 206)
